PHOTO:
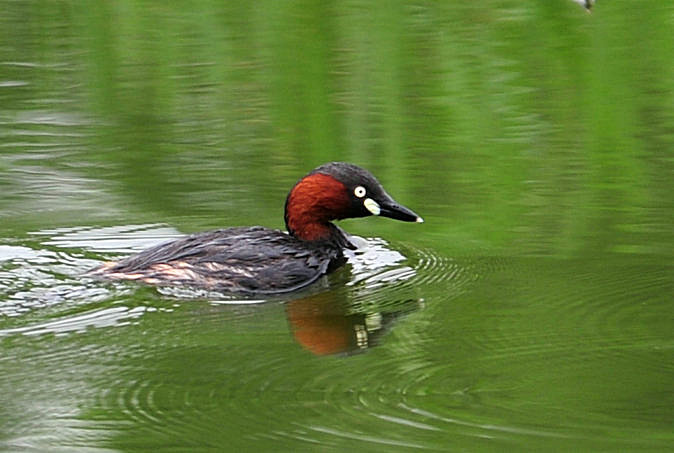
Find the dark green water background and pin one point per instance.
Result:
(533, 310)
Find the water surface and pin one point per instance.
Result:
(531, 311)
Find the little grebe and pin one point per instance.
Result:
(258, 260)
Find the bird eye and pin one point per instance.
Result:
(359, 191)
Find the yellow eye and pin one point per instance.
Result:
(359, 191)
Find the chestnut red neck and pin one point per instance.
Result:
(312, 203)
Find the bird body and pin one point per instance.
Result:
(259, 260)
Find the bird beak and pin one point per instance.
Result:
(388, 207)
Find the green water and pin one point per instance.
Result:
(531, 311)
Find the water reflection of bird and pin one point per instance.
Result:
(327, 324)
(257, 260)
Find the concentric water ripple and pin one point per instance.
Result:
(569, 331)
(177, 395)
(468, 349)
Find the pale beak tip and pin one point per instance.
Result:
(419, 220)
